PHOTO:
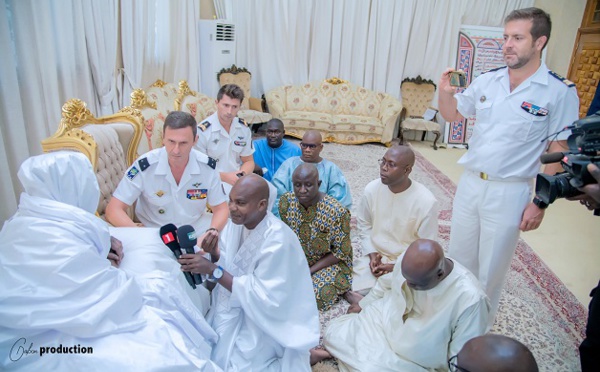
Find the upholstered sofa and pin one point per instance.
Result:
(157, 101)
(109, 142)
(341, 111)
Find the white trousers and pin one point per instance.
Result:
(485, 229)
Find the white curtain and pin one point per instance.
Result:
(374, 43)
(45, 62)
(101, 26)
(159, 40)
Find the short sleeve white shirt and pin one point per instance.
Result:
(160, 200)
(511, 127)
(226, 148)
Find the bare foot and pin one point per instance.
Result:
(317, 354)
(353, 297)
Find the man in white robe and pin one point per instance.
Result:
(393, 212)
(264, 308)
(414, 319)
(58, 291)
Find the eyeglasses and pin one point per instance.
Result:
(382, 163)
(453, 367)
(308, 145)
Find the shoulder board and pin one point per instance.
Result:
(242, 121)
(568, 83)
(143, 163)
(494, 69)
(204, 125)
(212, 163)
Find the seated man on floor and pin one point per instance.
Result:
(227, 138)
(394, 211)
(59, 292)
(415, 318)
(172, 184)
(264, 308)
(333, 182)
(272, 151)
(323, 227)
(493, 353)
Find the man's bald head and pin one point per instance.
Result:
(496, 353)
(305, 181)
(248, 201)
(311, 145)
(423, 264)
(395, 167)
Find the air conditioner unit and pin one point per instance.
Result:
(217, 51)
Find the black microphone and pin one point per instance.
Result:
(168, 234)
(187, 239)
(553, 157)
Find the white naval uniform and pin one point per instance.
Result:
(226, 148)
(160, 200)
(507, 141)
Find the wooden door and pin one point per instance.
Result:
(584, 69)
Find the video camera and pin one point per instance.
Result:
(584, 148)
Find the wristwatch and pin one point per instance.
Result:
(539, 202)
(241, 174)
(217, 273)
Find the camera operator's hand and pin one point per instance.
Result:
(591, 193)
(532, 217)
(593, 190)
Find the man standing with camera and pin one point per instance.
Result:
(517, 108)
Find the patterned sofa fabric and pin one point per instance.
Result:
(157, 101)
(343, 112)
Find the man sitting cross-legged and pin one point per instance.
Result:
(272, 151)
(415, 318)
(393, 212)
(323, 227)
(333, 182)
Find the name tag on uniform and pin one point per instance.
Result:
(196, 194)
(239, 143)
(533, 109)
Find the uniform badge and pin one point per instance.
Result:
(482, 99)
(239, 143)
(196, 194)
(161, 211)
(159, 193)
(215, 141)
(132, 173)
(197, 184)
(533, 109)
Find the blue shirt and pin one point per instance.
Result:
(270, 158)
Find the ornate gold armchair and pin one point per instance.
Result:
(417, 95)
(110, 142)
(251, 109)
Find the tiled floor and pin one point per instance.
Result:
(568, 240)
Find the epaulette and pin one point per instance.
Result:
(212, 163)
(567, 82)
(494, 69)
(144, 164)
(242, 121)
(204, 125)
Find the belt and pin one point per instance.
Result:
(486, 177)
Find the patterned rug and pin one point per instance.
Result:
(536, 307)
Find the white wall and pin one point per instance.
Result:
(566, 19)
